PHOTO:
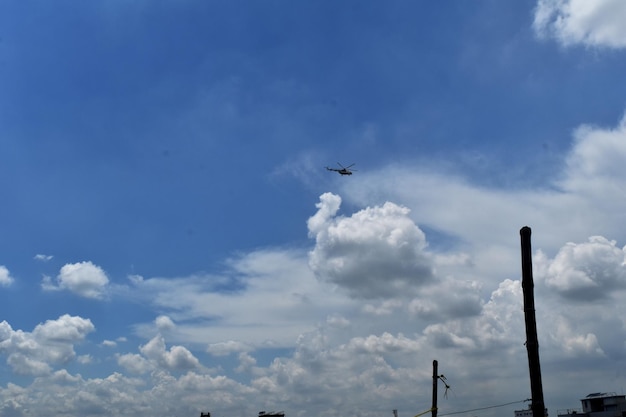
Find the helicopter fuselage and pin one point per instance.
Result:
(340, 171)
(343, 170)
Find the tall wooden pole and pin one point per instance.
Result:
(532, 343)
(435, 378)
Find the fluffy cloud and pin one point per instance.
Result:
(376, 252)
(49, 344)
(154, 356)
(82, 278)
(586, 271)
(135, 363)
(113, 395)
(593, 23)
(573, 343)
(499, 326)
(5, 277)
(594, 169)
(176, 359)
(164, 323)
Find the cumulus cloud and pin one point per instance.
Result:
(177, 358)
(164, 323)
(109, 343)
(48, 345)
(42, 258)
(83, 278)
(585, 271)
(573, 343)
(155, 357)
(5, 277)
(592, 23)
(376, 252)
(246, 363)
(134, 363)
(499, 326)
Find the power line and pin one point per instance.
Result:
(483, 408)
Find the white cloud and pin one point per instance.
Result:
(384, 308)
(82, 278)
(42, 258)
(338, 321)
(48, 345)
(164, 323)
(66, 329)
(273, 295)
(448, 299)
(134, 363)
(228, 347)
(575, 344)
(5, 277)
(155, 357)
(377, 252)
(595, 165)
(586, 271)
(593, 23)
(84, 359)
(246, 363)
(178, 358)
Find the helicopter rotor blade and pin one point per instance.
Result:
(352, 164)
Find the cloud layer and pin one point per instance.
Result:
(592, 23)
(361, 314)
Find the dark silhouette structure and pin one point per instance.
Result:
(435, 380)
(271, 414)
(532, 343)
(343, 170)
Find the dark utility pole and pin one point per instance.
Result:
(435, 378)
(532, 343)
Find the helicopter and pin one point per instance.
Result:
(343, 170)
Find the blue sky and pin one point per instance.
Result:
(170, 240)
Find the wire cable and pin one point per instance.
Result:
(482, 408)
(423, 412)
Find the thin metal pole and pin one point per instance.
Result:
(435, 378)
(532, 343)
